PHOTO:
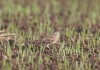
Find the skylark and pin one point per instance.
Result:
(52, 38)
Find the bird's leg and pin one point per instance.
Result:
(48, 47)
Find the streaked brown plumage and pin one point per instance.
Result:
(52, 38)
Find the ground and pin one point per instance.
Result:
(24, 23)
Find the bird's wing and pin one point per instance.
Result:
(48, 39)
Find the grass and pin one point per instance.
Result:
(79, 44)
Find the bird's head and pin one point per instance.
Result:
(55, 31)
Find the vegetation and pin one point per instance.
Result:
(25, 22)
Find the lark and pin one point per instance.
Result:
(52, 38)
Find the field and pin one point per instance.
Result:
(24, 23)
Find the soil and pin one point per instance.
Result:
(23, 23)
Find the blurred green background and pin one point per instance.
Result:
(70, 10)
(79, 21)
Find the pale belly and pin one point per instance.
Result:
(56, 39)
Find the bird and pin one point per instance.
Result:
(52, 38)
